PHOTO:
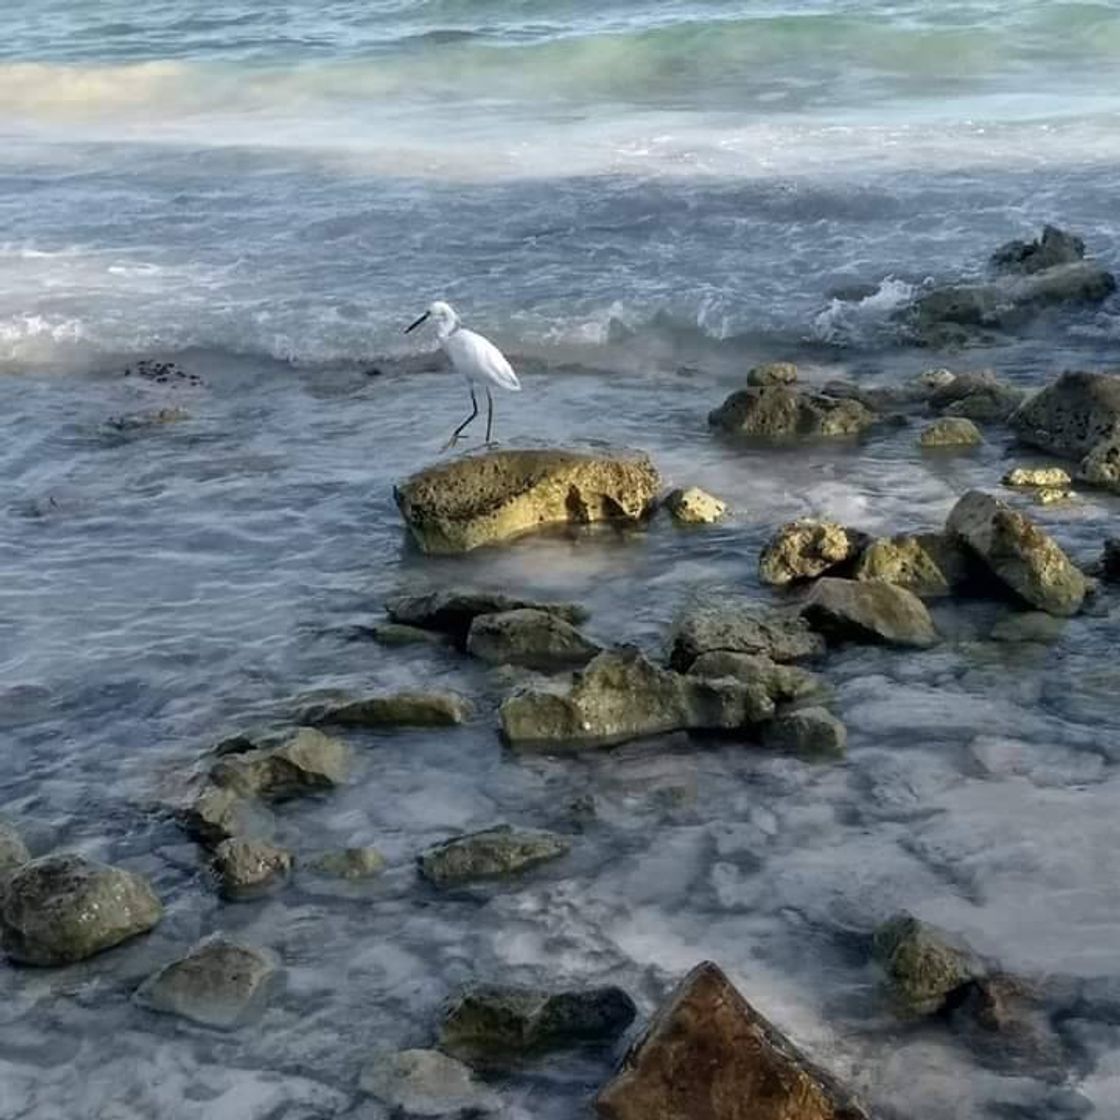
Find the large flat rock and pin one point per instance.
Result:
(491, 497)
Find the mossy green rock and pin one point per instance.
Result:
(351, 863)
(951, 431)
(220, 812)
(63, 908)
(1018, 553)
(497, 1023)
(398, 709)
(621, 696)
(783, 683)
(493, 853)
(13, 851)
(928, 564)
(924, 965)
(783, 412)
(306, 762)
(530, 638)
(249, 868)
(736, 627)
(810, 731)
(806, 549)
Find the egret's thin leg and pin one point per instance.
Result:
(459, 430)
(489, 413)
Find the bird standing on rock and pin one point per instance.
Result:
(475, 357)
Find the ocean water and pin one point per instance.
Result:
(637, 201)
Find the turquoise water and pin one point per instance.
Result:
(637, 201)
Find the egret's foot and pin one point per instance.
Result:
(492, 445)
(455, 437)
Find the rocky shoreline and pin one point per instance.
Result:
(753, 671)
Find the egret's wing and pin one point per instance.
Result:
(481, 360)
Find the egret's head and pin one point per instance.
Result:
(442, 316)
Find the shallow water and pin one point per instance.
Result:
(268, 198)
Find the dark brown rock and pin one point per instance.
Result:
(709, 1055)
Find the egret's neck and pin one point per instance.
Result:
(446, 329)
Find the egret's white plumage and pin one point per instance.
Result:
(475, 357)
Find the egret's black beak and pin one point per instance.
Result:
(423, 319)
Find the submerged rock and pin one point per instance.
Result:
(694, 507)
(532, 638)
(1110, 560)
(219, 813)
(772, 373)
(397, 709)
(493, 853)
(427, 1083)
(807, 731)
(741, 628)
(452, 612)
(1071, 416)
(928, 564)
(398, 634)
(307, 762)
(1018, 553)
(780, 412)
(219, 983)
(951, 431)
(805, 549)
(490, 497)
(13, 851)
(924, 965)
(1054, 247)
(351, 863)
(621, 696)
(63, 908)
(709, 1055)
(249, 868)
(1038, 477)
(489, 1023)
(976, 396)
(1029, 626)
(782, 683)
(955, 314)
(872, 611)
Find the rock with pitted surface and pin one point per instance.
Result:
(220, 983)
(1101, 466)
(1018, 553)
(531, 638)
(306, 762)
(806, 549)
(924, 965)
(951, 431)
(396, 709)
(782, 412)
(491, 497)
(452, 612)
(426, 1083)
(13, 851)
(807, 731)
(848, 611)
(1071, 416)
(1037, 477)
(979, 396)
(709, 1055)
(694, 507)
(783, 683)
(488, 1024)
(493, 853)
(622, 696)
(773, 373)
(250, 868)
(738, 627)
(928, 564)
(63, 908)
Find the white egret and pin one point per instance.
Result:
(475, 357)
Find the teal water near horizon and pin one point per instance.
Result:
(637, 201)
